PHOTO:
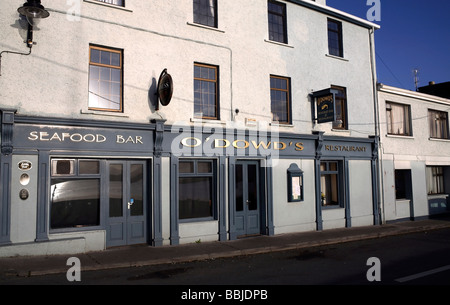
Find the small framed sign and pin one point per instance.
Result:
(295, 183)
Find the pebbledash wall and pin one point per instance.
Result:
(77, 179)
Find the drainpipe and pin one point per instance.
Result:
(379, 165)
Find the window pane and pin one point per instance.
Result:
(195, 197)
(115, 190)
(74, 203)
(205, 91)
(89, 167)
(186, 167)
(137, 189)
(239, 188)
(204, 167)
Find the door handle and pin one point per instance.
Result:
(248, 202)
(130, 203)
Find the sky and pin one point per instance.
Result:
(414, 34)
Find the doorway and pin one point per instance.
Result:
(248, 199)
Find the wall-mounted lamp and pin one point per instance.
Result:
(32, 10)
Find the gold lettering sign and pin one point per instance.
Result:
(345, 148)
(44, 136)
(243, 144)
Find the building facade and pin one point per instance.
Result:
(271, 127)
(415, 156)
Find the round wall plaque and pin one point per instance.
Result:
(165, 88)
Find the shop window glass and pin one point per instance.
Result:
(74, 203)
(197, 190)
(331, 184)
(74, 197)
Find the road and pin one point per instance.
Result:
(415, 259)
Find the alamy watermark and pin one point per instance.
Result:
(374, 12)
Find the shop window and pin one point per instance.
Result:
(197, 190)
(74, 194)
(331, 184)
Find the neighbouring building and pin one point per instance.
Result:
(271, 126)
(415, 154)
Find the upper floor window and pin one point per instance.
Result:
(277, 22)
(105, 79)
(335, 38)
(280, 99)
(398, 119)
(206, 102)
(205, 12)
(340, 108)
(438, 121)
(114, 2)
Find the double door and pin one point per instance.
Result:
(127, 203)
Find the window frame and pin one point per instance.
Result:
(216, 98)
(436, 176)
(196, 174)
(443, 127)
(196, 14)
(344, 111)
(110, 3)
(283, 16)
(75, 175)
(288, 96)
(407, 123)
(340, 39)
(120, 68)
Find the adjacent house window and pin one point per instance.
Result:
(205, 12)
(340, 108)
(74, 193)
(206, 102)
(280, 99)
(435, 180)
(438, 121)
(331, 185)
(197, 199)
(114, 2)
(398, 118)
(105, 79)
(277, 22)
(335, 38)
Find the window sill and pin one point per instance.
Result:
(207, 121)
(279, 43)
(281, 125)
(205, 27)
(337, 57)
(439, 140)
(438, 196)
(399, 136)
(104, 113)
(109, 5)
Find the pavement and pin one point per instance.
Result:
(144, 255)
